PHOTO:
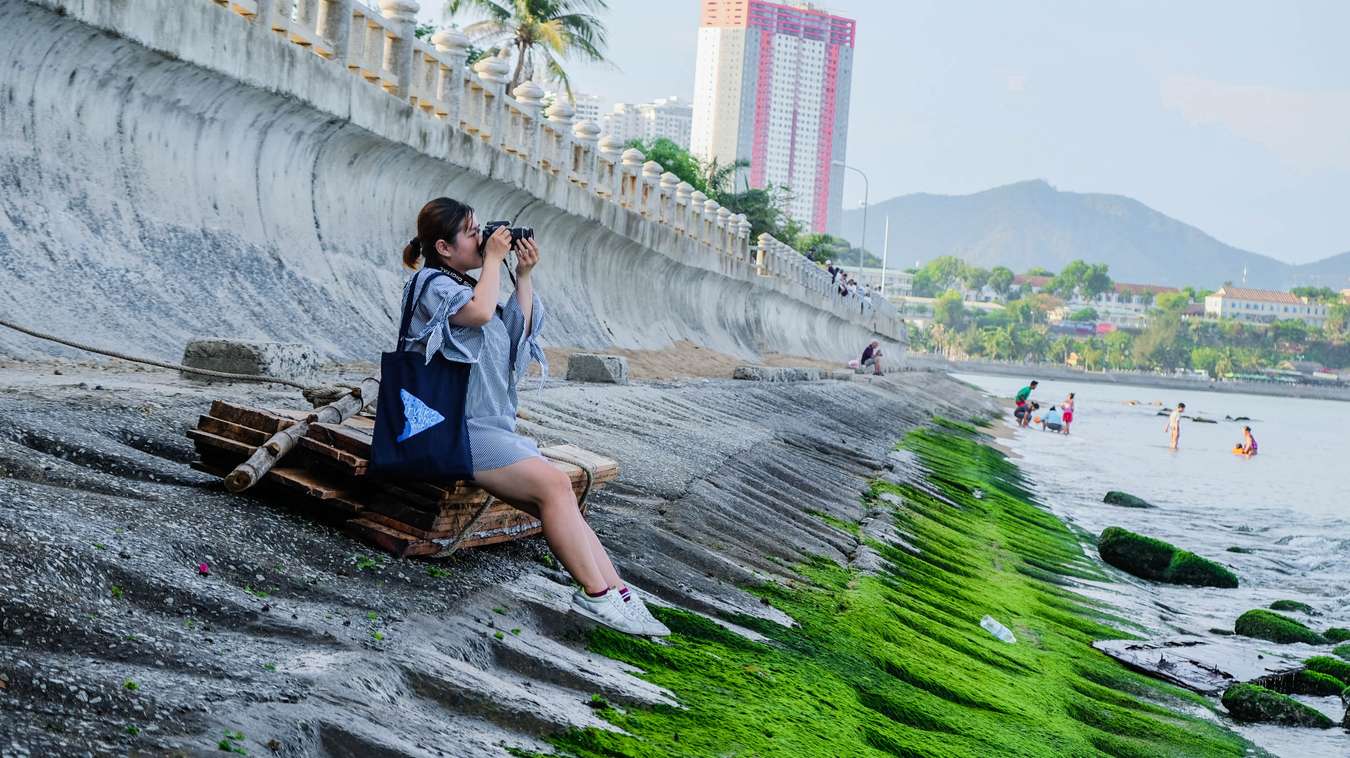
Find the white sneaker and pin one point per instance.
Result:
(608, 610)
(638, 611)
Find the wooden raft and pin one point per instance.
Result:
(328, 467)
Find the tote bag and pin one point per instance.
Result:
(420, 429)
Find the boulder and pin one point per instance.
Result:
(1291, 605)
(599, 369)
(1126, 500)
(1302, 682)
(777, 374)
(1268, 625)
(1337, 634)
(1343, 651)
(1336, 669)
(281, 360)
(1254, 703)
(1153, 559)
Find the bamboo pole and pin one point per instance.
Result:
(251, 471)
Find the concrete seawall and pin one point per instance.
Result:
(168, 171)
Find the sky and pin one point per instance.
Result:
(1230, 115)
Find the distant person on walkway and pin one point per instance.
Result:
(872, 357)
(1021, 398)
(1174, 424)
(831, 270)
(1053, 421)
(1247, 446)
(1067, 407)
(458, 318)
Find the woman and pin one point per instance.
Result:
(1067, 414)
(462, 319)
(1248, 445)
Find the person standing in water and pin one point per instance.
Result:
(1021, 400)
(1066, 409)
(1248, 445)
(1174, 424)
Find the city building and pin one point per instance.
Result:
(668, 117)
(1263, 306)
(772, 86)
(587, 106)
(899, 283)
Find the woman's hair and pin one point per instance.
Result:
(440, 219)
(1071, 395)
(1246, 428)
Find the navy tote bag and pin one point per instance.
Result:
(420, 429)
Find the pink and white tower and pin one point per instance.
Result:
(772, 87)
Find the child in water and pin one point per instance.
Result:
(1247, 446)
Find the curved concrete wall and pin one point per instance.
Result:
(154, 189)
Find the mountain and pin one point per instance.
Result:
(1033, 224)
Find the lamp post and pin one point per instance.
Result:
(862, 242)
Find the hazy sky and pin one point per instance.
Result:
(1231, 115)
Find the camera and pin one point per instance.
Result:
(518, 233)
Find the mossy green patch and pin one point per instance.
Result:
(1325, 664)
(1153, 559)
(1343, 651)
(1268, 625)
(1250, 702)
(896, 664)
(1337, 634)
(1291, 605)
(1304, 682)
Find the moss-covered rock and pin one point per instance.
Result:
(1242, 550)
(1250, 702)
(1325, 664)
(1149, 558)
(1343, 651)
(1268, 625)
(1303, 682)
(1337, 634)
(1126, 500)
(1291, 605)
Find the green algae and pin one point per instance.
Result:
(1153, 559)
(1254, 703)
(1337, 634)
(1342, 651)
(1291, 605)
(896, 664)
(1268, 625)
(1325, 664)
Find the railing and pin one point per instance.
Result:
(381, 48)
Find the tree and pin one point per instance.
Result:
(542, 32)
(1207, 359)
(1001, 280)
(974, 278)
(998, 342)
(1081, 279)
(674, 159)
(1084, 314)
(1318, 294)
(938, 275)
(821, 247)
(1171, 302)
(1119, 347)
(1164, 344)
(1061, 348)
(1038, 271)
(948, 310)
(1338, 321)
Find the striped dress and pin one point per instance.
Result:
(500, 353)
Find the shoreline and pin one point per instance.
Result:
(911, 362)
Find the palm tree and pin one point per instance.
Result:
(543, 33)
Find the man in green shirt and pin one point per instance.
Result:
(1023, 412)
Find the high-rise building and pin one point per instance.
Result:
(772, 87)
(587, 106)
(667, 117)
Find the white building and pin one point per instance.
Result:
(899, 283)
(587, 106)
(772, 83)
(668, 117)
(1263, 306)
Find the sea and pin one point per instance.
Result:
(1287, 508)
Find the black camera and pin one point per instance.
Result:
(518, 233)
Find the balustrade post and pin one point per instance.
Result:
(708, 230)
(493, 74)
(630, 169)
(525, 137)
(648, 197)
(680, 212)
(762, 253)
(665, 198)
(402, 15)
(557, 155)
(694, 225)
(454, 49)
(584, 136)
(723, 231)
(336, 26)
(607, 173)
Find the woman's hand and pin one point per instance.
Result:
(527, 257)
(494, 251)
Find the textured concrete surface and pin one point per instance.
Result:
(168, 171)
(293, 638)
(601, 369)
(250, 357)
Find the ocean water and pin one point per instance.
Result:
(1289, 506)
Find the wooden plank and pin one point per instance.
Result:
(400, 544)
(305, 482)
(231, 430)
(221, 443)
(342, 437)
(395, 524)
(428, 520)
(250, 417)
(361, 421)
(345, 459)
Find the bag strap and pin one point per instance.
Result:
(415, 292)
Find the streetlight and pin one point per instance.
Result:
(862, 243)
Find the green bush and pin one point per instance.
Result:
(1291, 605)
(1253, 703)
(1268, 625)
(1325, 664)
(1153, 559)
(1126, 500)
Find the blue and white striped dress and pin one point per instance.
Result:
(491, 404)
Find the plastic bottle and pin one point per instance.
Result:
(998, 630)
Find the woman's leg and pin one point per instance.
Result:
(538, 487)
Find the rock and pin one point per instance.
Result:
(1254, 703)
(1325, 664)
(1268, 625)
(1152, 559)
(1291, 605)
(600, 369)
(1126, 500)
(776, 374)
(1242, 550)
(281, 360)
(1302, 682)
(1343, 651)
(1337, 634)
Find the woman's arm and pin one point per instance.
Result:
(527, 257)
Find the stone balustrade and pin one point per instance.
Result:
(434, 77)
